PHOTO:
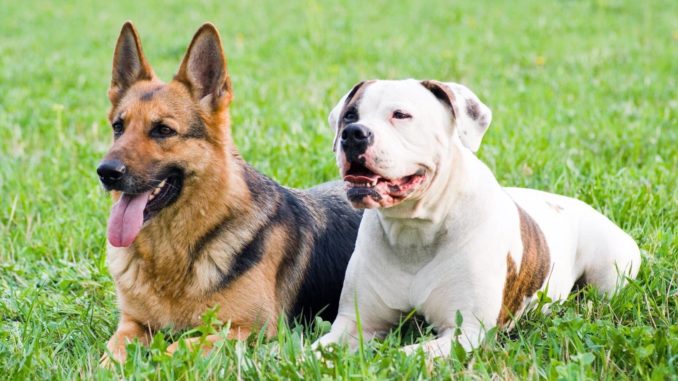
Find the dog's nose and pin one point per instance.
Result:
(356, 133)
(111, 171)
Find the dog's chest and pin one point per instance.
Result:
(153, 301)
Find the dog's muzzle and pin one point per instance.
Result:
(355, 138)
(111, 172)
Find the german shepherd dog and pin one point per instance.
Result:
(194, 226)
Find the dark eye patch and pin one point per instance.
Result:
(350, 116)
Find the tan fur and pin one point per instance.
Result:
(534, 266)
(158, 285)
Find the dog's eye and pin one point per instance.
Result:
(401, 115)
(162, 131)
(118, 127)
(351, 116)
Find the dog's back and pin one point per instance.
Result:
(333, 244)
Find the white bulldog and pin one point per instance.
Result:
(440, 234)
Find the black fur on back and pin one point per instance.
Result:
(320, 220)
(333, 246)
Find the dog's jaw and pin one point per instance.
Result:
(367, 188)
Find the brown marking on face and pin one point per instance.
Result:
(198, 140)
(353, 100)
(534, 268)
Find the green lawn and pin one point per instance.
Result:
(585, 102)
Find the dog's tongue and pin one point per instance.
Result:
(127, 216)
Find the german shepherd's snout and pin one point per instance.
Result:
(193, 226)
(110, 173)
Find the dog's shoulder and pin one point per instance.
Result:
(335, 228)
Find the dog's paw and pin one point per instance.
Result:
(175, 347)
(410, 349)
(109, 361)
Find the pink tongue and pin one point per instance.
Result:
(127, 216)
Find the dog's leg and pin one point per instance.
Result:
(606, 253)
(128, 330)
(206, 344)
(344, 331)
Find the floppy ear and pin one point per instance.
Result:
(129, 63)
(335, 114)
(472, 116)
(203, 69)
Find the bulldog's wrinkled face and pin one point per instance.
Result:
(392, 135)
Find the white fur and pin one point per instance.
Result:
(444, 248)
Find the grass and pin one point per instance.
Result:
(585, 104)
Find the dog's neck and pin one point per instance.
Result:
(458, 188)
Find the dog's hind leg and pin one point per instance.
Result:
(606, 255)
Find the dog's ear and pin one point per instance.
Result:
(339, 108)
(129, 63)
(471, 115)
(203, 69)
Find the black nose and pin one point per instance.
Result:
(111, 171)
(355, 138)
(356, 133)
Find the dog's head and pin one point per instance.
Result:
(391, 136)
(164, 134)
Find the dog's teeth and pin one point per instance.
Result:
(162, 184)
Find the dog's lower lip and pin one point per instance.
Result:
(165, 193)
(377, 186)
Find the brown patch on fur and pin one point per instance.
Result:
(351, 102)
(353, 99)
(534, 267)
(443, 93)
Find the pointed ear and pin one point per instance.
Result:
(337, 111)
(203, 69)
(471, 115)
(129, 63)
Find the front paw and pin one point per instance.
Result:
(323, 343)
(110, 359)
(410, 349)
